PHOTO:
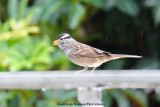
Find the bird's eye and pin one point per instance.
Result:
(61, 39)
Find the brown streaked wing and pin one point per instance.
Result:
(88, 51)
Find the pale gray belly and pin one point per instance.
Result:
(85, 61)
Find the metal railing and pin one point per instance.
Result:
(88, 85)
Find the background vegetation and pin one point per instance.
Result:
(28, 28)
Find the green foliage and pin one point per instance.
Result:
(107, 98)
(77, 11)
(35, 55)
(115, 64)
(155, 4)
(156, 14)
(124, 98)
(60, 59)
(50, 8)
(128, 6)
(137, 96)
(96, 3)
(148, 63)
(120, 98)
(13, 29)
(27, 98)
(17, 8)
(21, 52)
(13, 8)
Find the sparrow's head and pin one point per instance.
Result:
(64, 40)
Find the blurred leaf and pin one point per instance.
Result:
(50, 94)
(109, 4)
(59, 57)
(158, 97)
(137, 96)
(4, 27)
(43, 103)
(67, 95)
(19, 29)
(22, 8)
(4, 97)
(96, 3)
(156, 13)
(147, 63)
(150, 3)
(15, 101)
(129, 7)
(121, 100)
(13, 9)
(76, 14)
(107, 99)
(57, 95)
(51, 8)
(36, 12)
(116, 64)
(31, 100)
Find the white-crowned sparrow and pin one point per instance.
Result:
(85, 55)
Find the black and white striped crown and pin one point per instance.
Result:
(64, 36)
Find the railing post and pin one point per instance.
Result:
(90, 97)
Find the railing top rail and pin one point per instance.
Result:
(69, 80)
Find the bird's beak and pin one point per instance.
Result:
(56, 42)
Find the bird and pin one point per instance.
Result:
(85, 55)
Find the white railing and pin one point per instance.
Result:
(88, 85)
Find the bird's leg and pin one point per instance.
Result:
(81, 70)
(93, 70)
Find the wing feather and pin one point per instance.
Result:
(88, 51)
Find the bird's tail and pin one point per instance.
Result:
(117, 56)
